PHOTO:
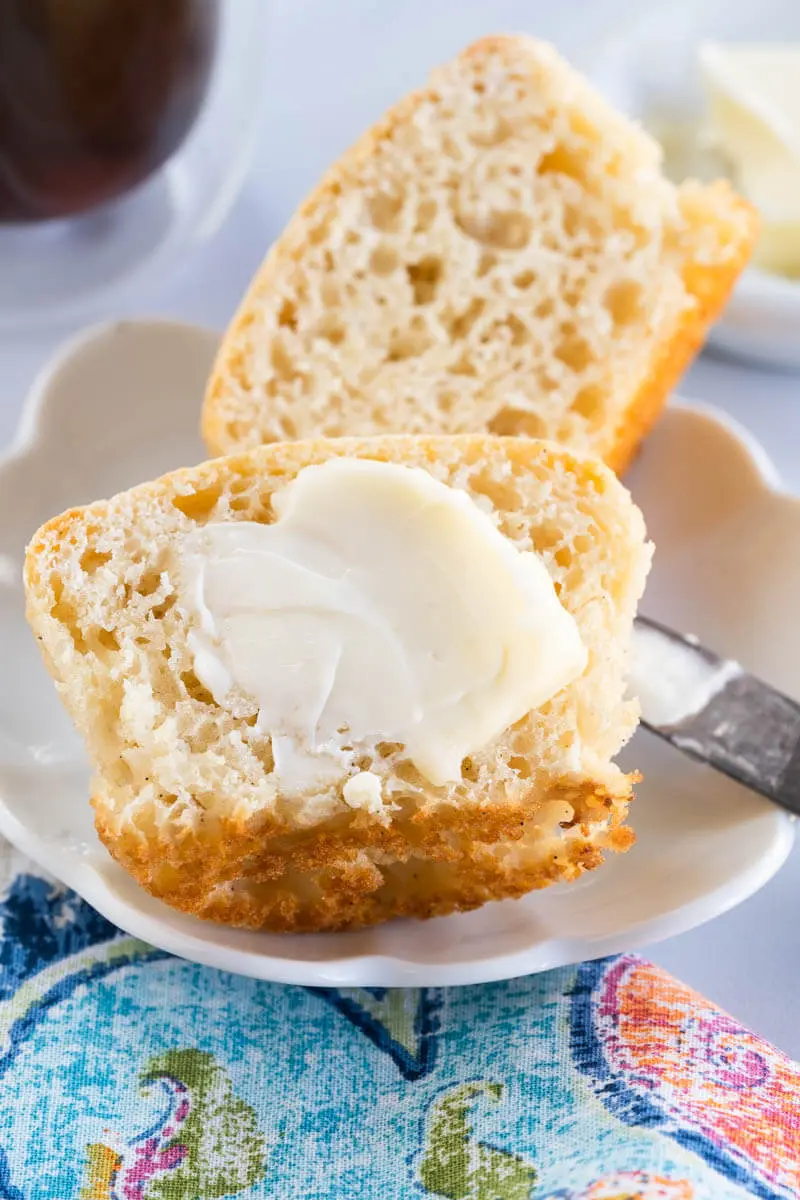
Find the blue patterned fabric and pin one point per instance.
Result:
(126, 1074)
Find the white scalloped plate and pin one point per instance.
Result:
(120, 405)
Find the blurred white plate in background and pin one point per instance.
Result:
(648, 67)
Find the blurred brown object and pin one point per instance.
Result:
(95, 95)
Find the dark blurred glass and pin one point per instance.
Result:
(95, 95)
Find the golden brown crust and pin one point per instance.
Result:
(263, 877)
(711, 286)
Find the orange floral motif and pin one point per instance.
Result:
(715, 1086)
(636, 1185)
(630, 1185)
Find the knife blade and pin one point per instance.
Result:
(711, 709)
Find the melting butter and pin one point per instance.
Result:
(381, 605)
(672, 681)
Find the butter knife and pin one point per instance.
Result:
(709, 708)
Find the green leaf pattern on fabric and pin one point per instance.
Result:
(458, 1167)
(225, 1148)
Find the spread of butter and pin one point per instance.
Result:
(380, 605)
(754, 123)
(671, 680)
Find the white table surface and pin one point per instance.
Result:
(333, 65)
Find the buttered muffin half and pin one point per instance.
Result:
(327, 683)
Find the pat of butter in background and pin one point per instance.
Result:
(381, 605)
(754, 124)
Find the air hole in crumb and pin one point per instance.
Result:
(470, 770)
(262, 749)
(318, 233)
(387, 749)
(486, 263)
(582, 126)
(407, 345)
(384, 260)
(445, 401)
(624, 302)
(460, 324)
(505, 230)
(141, 641)
(464, 366)
(563, 557)
(583, 543)
(239, 504)
(107, 639)
(492, 135)
(426, 215)
(384, 208)
(513, 422)
(571, 220)
(407, 772)
(501, 492)
(149, 583)
(91, 559)
(574, 351)
(452, 149)
(520, 334)
(588, 401)
(520, 766)
(287, 315)
(204, 800)
(282, 361)
(329, 291)
(198, 505)
(195, 688)
(546, 537)
(237, 431)
(424, 278)
(331, 329)
(66, 613)
(288, 428)
(159, 611)
(563, 161)
(638, 234)
(524, 279)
